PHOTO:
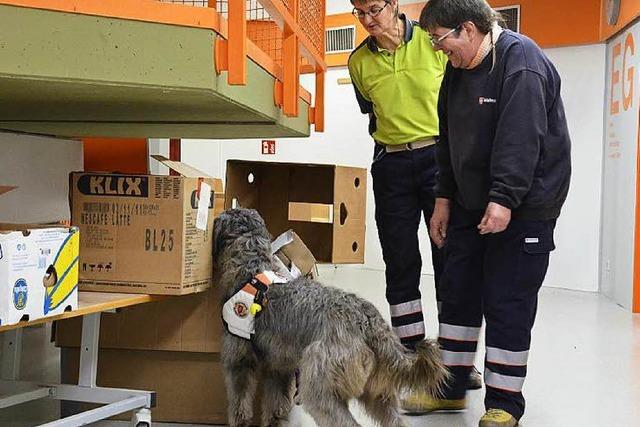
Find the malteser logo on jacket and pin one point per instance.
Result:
(114, 185)
(483, 100)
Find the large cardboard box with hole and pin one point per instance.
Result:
(324, 204)
(144, 233)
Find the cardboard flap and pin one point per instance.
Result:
(6, 189)
(181, 168)
(283, 239)
(294, 255)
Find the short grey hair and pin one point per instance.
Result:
(452, 13)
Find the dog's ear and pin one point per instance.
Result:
(218, 239)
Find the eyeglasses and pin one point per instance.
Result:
(435, 41)
(373, 12)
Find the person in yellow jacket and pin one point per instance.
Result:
(396, 75)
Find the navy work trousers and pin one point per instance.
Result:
(403, 190)
(495, 276)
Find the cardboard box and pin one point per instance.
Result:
(38, 271)
(191, 323)
(187, 379)
(324, 204)
(189, 386)
(144, 233)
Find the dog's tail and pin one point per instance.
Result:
(400, 368)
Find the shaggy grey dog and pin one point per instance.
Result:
(339, 343)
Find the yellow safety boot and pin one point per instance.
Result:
(421, 403)
(497, 418)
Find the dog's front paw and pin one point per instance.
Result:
(240, 420)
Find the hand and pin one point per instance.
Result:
(496, 219)
(440, 221)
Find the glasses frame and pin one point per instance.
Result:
(360, 14)
(435, 42)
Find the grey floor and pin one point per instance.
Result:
(584, 368)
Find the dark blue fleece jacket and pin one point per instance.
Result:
(503, 133)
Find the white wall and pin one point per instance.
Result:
(575, 262)
(39, 167)
(345, 6)
(620, 164)
(341, 6)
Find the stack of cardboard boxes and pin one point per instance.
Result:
(149, 234)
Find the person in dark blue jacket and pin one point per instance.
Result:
(504, 169)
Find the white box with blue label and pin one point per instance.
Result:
(38, 272)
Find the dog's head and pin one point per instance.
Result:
(238, 224)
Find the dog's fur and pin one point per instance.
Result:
(340, 343)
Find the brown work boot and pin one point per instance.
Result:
(497, 418)
(475, 379)
(414, 402)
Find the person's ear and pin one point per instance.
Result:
(470, 30)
